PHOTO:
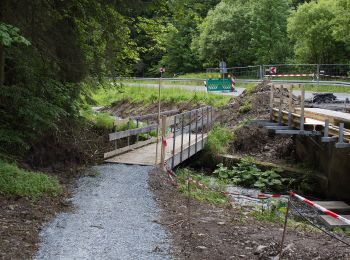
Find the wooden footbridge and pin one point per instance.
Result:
(181, 135)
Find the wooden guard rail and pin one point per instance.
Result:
(179, 124)
(294, 117)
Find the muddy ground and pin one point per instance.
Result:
(21, 221)
(203, 231)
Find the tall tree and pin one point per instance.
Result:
(225, 34)
(269, 31)
(312, 29)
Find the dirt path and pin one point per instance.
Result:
(200, 230)
(114, 217)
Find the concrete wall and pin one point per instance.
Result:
(333, 163)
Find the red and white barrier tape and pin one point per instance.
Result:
(291, 75)
(319, 207)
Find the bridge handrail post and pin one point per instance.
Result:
(182, 135)
(189, 136)
(271, 101)
(174, 139)
(208, 124)
(202, 126)
(196, 130)
(162, 151)
(302, 105)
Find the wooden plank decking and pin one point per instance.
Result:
(147, 155)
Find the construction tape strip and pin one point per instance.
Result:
(319, 207)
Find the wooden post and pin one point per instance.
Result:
(202, 127)
(302, 104)
(182, 135)
(196, 130)
(280, 106)
(129, 129)
(172, 161)
(207, 119)
(137, 126)
(271, 102)
(163, 147)
(189, 136)
(284, 228)
(290, 105)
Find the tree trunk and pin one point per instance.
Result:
(2, 65)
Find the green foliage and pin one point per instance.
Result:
(225, 34)
(312, 28)
(10, 35)
(218, 140)
(106, 96)
(18, 182)
(246, 107)
(246, 173)
(269, 30)
(100, 120)
(211, 196)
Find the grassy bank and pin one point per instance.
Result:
(106, 96)
(15, 182)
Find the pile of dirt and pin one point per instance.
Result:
(204, 231)
(255, 140)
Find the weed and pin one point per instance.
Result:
(100, 119)
(18, 182)
(246, 173)
(218, 140)
(246, 107)
(215, 197)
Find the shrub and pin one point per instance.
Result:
(246, 173)
(218, 140)
(18, 182)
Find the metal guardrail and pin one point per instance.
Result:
(296, 81)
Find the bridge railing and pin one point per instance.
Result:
(144, 129)
(193, 125)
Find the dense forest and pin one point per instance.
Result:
(53, 52)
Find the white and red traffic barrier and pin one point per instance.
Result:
(320, 208)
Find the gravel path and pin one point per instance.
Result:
(114, 218)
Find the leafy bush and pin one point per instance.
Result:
(215, 197)
(246, 173)
(18, 182)
(246, 107)
(100, 120)
(218, 140)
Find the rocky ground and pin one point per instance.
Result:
(203, 231)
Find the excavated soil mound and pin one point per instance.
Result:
(256, 141)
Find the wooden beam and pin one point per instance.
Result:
(122, 134)
(155, 115)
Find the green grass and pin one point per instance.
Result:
(201, 194)
(335, 89)
(106, 96)
(100, 120)
(18, 182)
(218, 140)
